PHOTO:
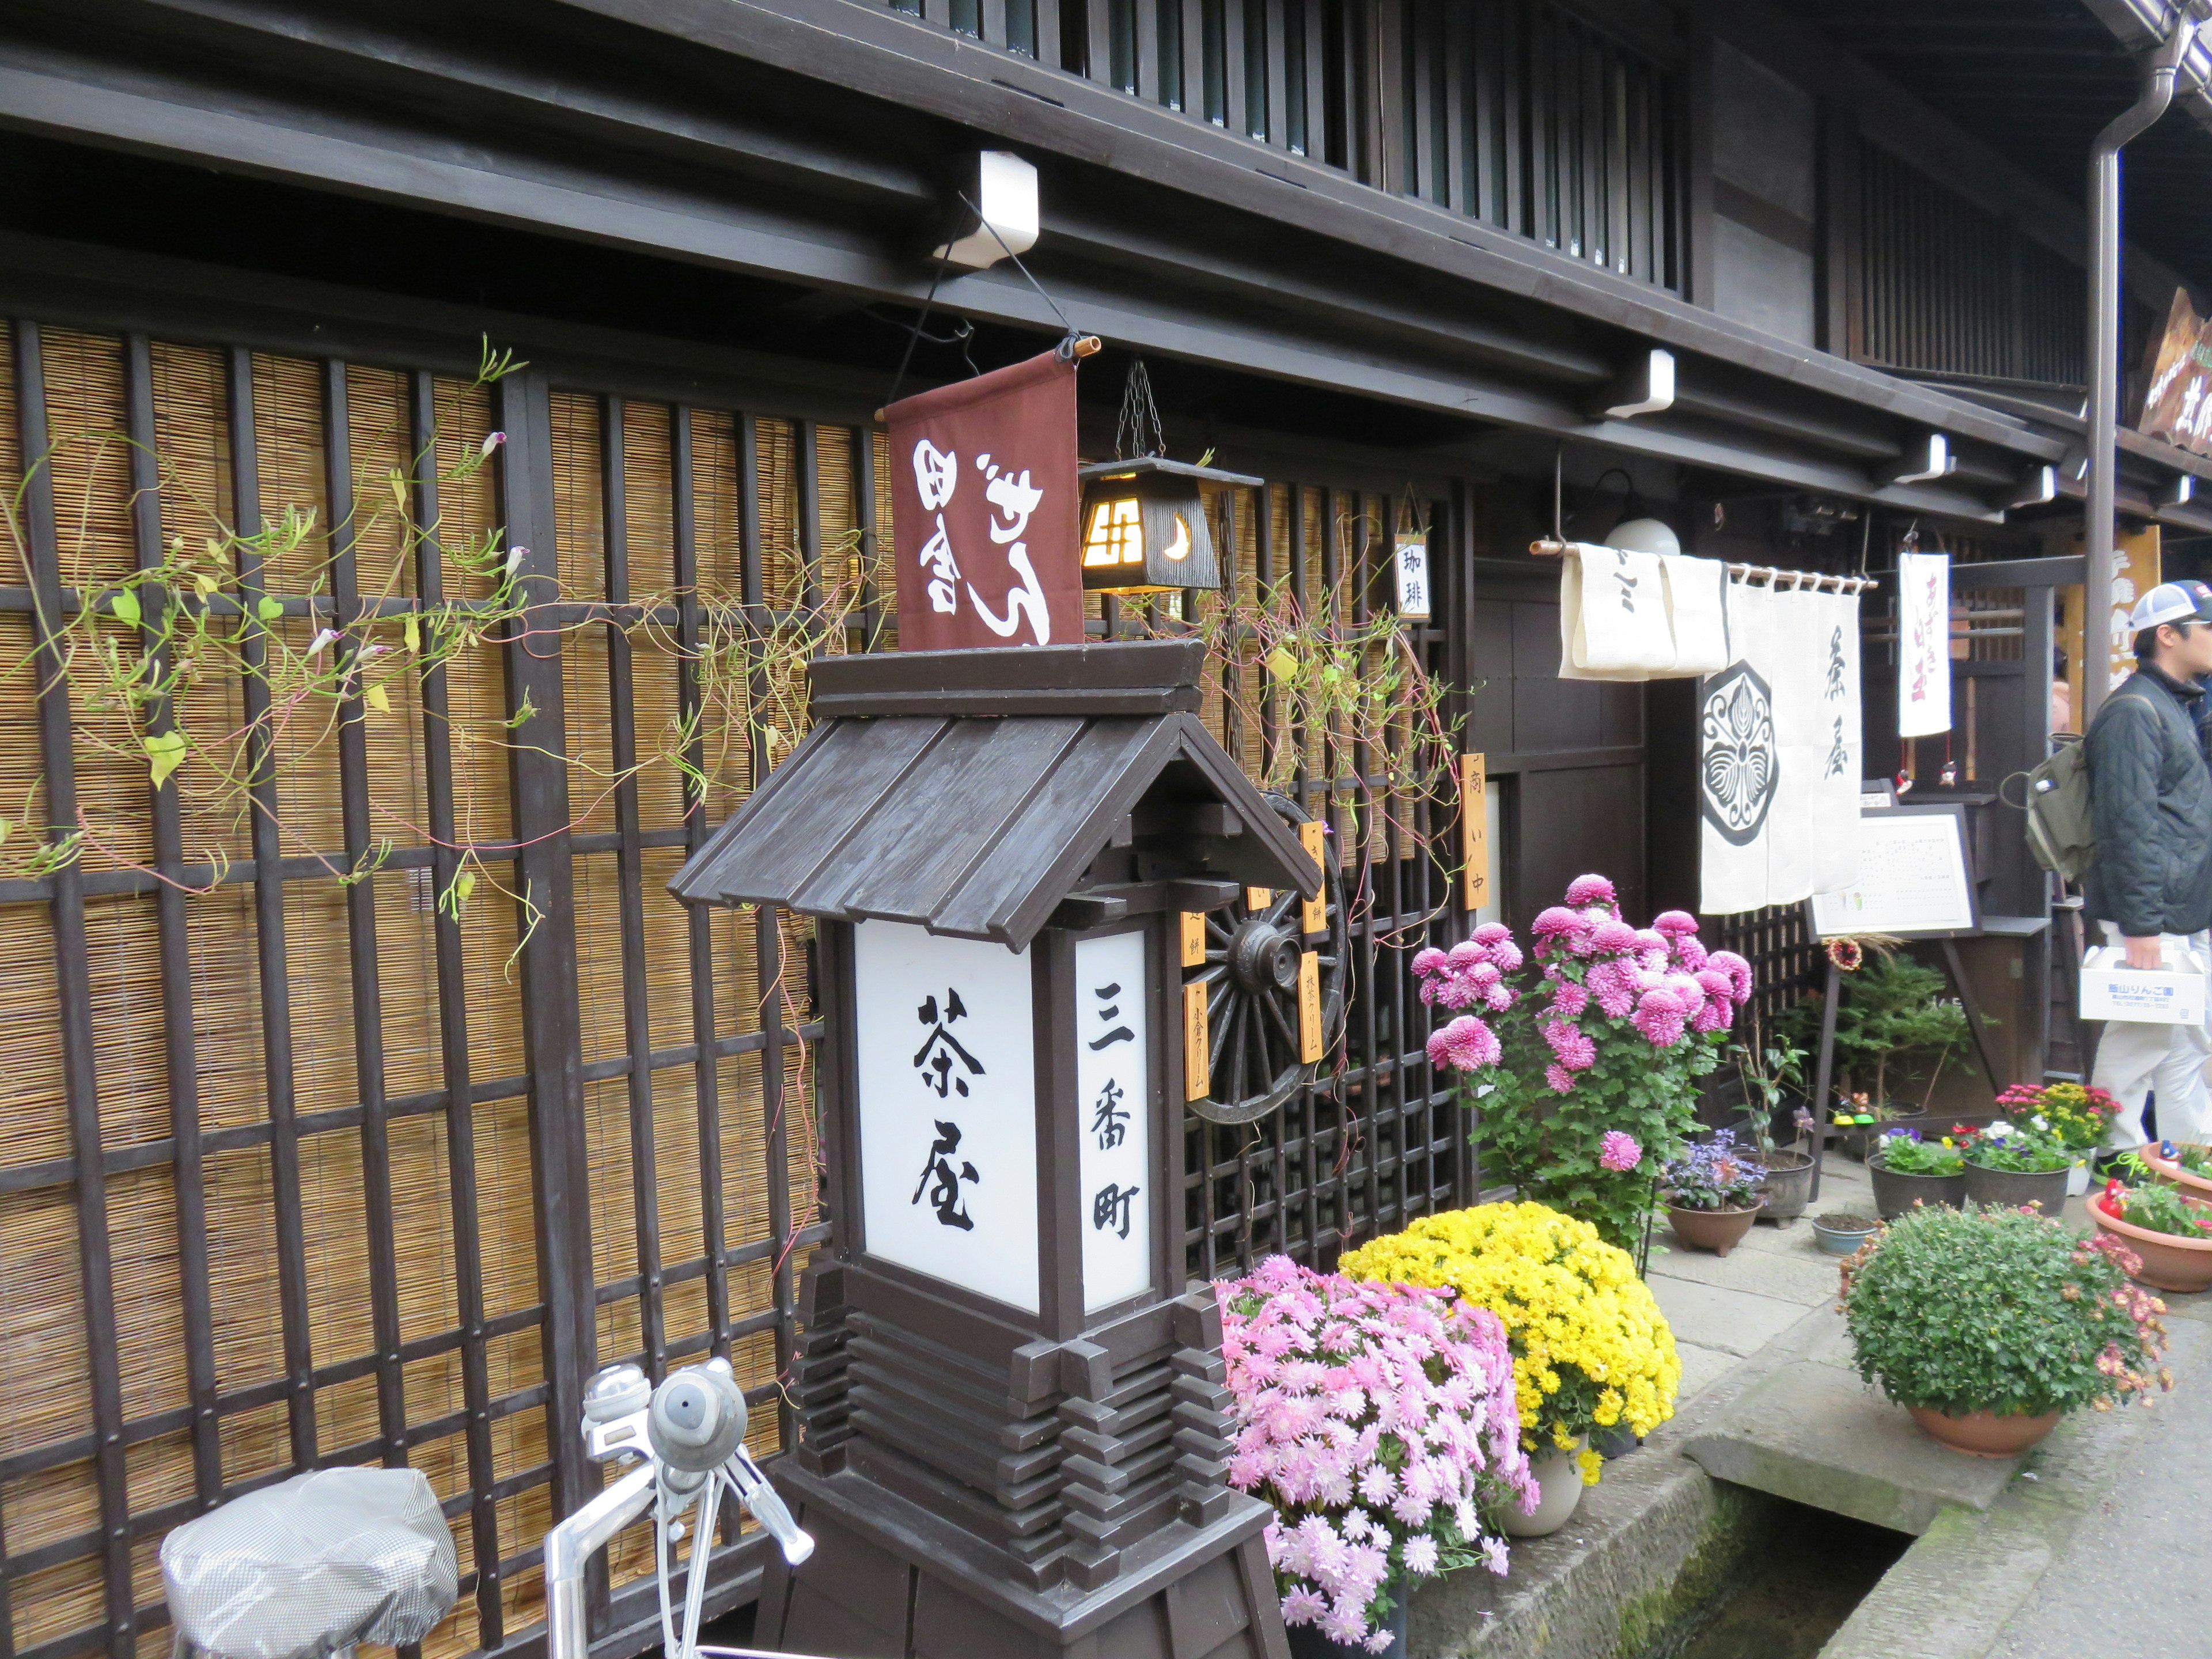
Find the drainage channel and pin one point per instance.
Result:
(1811, 1570)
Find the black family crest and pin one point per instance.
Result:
(1739, 765)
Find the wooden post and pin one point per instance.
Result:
(1823, 1074)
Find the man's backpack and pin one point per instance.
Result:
(2060, 832)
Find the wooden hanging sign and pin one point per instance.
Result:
(1309, 1027)
(1194, 939)
(1197, 1042)
(1474, 830)
(1313, 913)
(1259, 898)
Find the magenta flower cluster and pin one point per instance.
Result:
(1660, 978)
(1471, 975)
(1366, 1414)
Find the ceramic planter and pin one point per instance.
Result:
(1895, 1192)
(2005, 1189)
(2196, 1186)
(2169, 1262)
(1984, 1434)
(1307, 1641)
(1842, 1241)
(1558, 1477)
(1717, 1231)
(1789, 1184)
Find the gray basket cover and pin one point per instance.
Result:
(312, 1565)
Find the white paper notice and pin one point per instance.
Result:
(1912, 879)
(1924, 644)
(1113, 1105)
(946, 1035)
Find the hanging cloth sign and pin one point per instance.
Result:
(984, 510)
(1630, 615)
(1778, 745)
(1924, 644)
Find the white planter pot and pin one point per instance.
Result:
(1559, 1487)
(2077, 1178)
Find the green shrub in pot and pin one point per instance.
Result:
(1999, 1311)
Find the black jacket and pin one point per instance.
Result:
(2150, 799)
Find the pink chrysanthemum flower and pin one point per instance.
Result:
(1569, 999)
(1561, 1080)
(1689, 953)
(1674, 923)
(1558, 920)
(1428, 960)
(1618, 1151)
(1614, 936)
(1591, 889)
(1465, 954)
(1659, 1016)
(1492, 932)
(1736, 967)
(1506, 954)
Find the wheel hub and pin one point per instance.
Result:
(1263, 956)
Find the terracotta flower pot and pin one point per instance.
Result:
(1789, 1184)
(2194, 1185)
(2170, 1262)
(1717, 1231)
(2008, 1189)
(1984, 1434)
(1558, 1476)
(1896, 1192)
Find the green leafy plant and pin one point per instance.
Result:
(2017, 1151)
(2000, 1311)
(1772, 1073)
(1893, 1017)
(1903, 1152)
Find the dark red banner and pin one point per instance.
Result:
(984, 508)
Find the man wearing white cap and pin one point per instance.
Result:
(2150, 797)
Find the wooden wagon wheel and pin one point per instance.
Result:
(1254, 960)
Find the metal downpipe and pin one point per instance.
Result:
(2104, 351)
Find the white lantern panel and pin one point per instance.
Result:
(944, 1030)
(1114, 1095)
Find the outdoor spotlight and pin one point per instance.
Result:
(1145, 529)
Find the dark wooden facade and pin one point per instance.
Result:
(301, 1171)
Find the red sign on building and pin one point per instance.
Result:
(984, 509)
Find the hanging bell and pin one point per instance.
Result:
(1145, 529)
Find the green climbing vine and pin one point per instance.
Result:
(148, 664)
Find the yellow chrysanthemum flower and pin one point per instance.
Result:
(1590, 1347)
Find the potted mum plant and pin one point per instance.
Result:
(1989, 1325)
(1372, 1417)
(1909, 1169)
(1591, 1350)
(2080, 1116)
(1582, 1063)
(2010, 1164)
(1713, 1193)
(2169, 1230)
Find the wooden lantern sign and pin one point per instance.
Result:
(1012, 1430)
(1145, 529)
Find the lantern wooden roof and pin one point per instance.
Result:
(971, 792)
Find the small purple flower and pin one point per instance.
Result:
(1618, 1151)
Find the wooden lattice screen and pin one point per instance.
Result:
(299, 1170)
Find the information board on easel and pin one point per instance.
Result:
(1916, 881)
(1915, 877)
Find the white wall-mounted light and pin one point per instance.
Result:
(998, 214)
(1922, 462)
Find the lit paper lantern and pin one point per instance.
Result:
(1145, 528)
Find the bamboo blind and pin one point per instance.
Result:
(273, 1189)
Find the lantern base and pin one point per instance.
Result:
(889, 1580)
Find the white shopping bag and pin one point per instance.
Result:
(2172, 995)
